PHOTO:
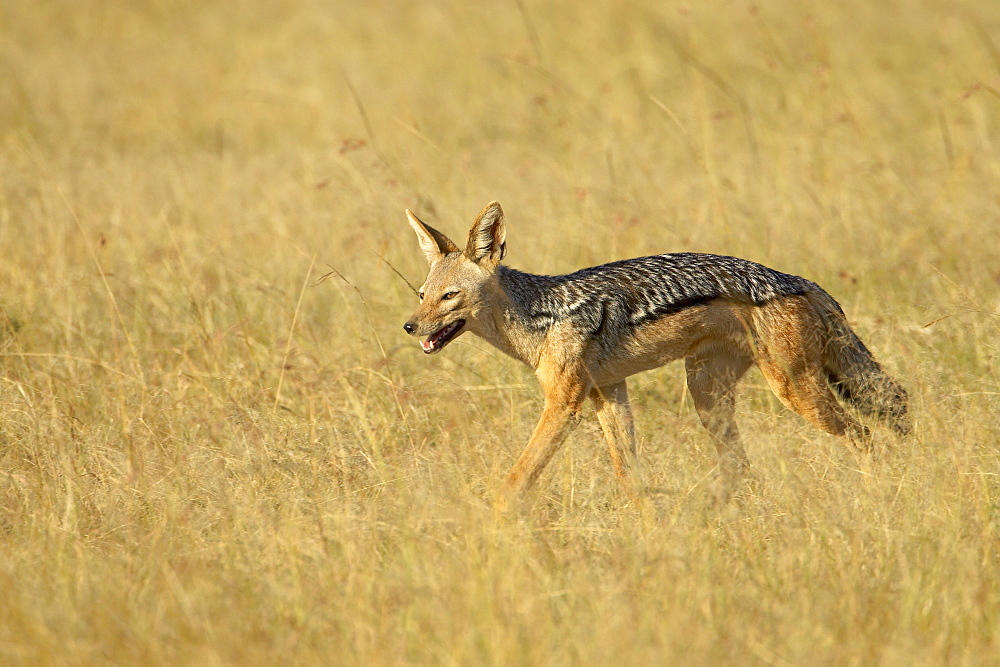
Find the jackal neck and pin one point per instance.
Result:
(512, 323)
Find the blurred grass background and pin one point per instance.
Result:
(211, 454)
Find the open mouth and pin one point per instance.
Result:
(441, 337)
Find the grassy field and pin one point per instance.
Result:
(217, 446)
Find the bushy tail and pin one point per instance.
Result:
(853, 372)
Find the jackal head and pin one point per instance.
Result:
(454, 294)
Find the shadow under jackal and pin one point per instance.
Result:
(584, 333)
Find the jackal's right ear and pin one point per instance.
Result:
(434, 244)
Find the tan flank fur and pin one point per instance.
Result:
(584, 333)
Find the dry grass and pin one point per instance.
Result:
(209, 456)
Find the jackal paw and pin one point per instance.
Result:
(506, 504)
(726, 483)
(721, 491)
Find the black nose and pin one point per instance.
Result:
(409, 327)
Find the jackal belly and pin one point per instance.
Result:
(669, 338)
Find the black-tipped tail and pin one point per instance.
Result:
(853, 372)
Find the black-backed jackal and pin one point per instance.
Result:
(584, 333)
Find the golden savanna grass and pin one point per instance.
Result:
(209, 454)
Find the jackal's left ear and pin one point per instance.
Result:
(488, 237)
(434, 244)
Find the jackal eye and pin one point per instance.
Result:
(448, 295)
(420, 295)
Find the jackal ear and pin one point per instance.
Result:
(487, 238)
(434, 244)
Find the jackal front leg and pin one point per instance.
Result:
(615, 417)
(564, 395)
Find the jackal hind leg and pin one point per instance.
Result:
(793, 368)
(807, 393)
(615, 417)
(712, 375)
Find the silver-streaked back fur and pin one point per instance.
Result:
(625, 294)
